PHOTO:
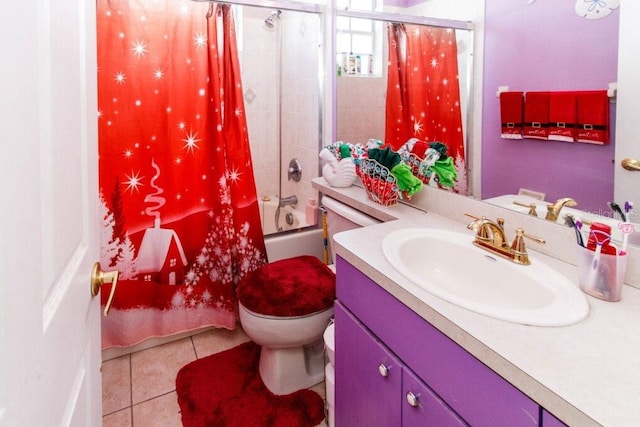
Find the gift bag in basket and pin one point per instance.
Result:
(435, 165)
(379, 183)
(417, 165)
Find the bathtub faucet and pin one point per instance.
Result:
(291, 200)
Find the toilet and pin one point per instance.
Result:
(341, 217)
(285, 307)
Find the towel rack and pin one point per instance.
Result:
(611, 91)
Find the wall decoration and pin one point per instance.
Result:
(595, 9)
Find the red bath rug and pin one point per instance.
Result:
(225, 390)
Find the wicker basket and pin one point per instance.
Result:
(380, 185)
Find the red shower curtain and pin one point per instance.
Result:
(180, 213)
(423, 94)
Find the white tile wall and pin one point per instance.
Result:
(360, 117)
(259, 64)
(300, 105)
(299, 99)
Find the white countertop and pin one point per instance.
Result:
(586, 374)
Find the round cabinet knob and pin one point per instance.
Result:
(412, 399)
(383, 369)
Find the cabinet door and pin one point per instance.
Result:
(368, 377)
(422, 408)
(548, 420)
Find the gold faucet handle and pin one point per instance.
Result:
(534, 238)
(532, 207)
(477, 226)
(519, 249)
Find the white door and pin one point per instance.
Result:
(627, 183)
(49, 323)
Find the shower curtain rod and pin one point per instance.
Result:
(407, 19)
(273, 4)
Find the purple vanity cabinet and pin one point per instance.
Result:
(370, 378)
(376, 389)
(548, 420)
(369, 321)
(421, 407)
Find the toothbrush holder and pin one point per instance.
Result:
(607, 280)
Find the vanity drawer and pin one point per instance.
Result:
(473, 390)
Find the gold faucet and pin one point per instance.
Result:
(489, 233)
(531, 206)
(553, 209)
(490, 236)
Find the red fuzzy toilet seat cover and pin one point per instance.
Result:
(290, 287)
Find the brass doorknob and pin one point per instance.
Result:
(631, 164)
(99, 278)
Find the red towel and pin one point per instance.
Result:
(593, 117)
(536, 115)
(562, 116)
(511, 114)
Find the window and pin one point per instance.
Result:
(358, 41)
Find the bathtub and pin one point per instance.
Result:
(305, 242)
(290, 217)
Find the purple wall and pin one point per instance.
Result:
(402, 3)
(546, 46)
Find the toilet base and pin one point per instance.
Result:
(285, 370)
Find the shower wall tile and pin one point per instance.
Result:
(297, 93)
(360, 117)
(259, 73)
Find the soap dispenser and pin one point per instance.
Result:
(311, 211)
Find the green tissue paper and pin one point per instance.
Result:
(405, 179)
(385, 156)
(446, 172)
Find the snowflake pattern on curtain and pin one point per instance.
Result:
(179, 206)
(423, 95)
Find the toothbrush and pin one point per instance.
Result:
(627, 208)
(616, 208)
(626, 228)
(570, 221)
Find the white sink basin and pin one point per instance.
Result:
(448, 265)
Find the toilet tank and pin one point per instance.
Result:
(341, 217)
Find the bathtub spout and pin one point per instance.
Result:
(291, 200)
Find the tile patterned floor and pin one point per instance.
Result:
(138, 390)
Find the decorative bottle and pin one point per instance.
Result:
(311, 211)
